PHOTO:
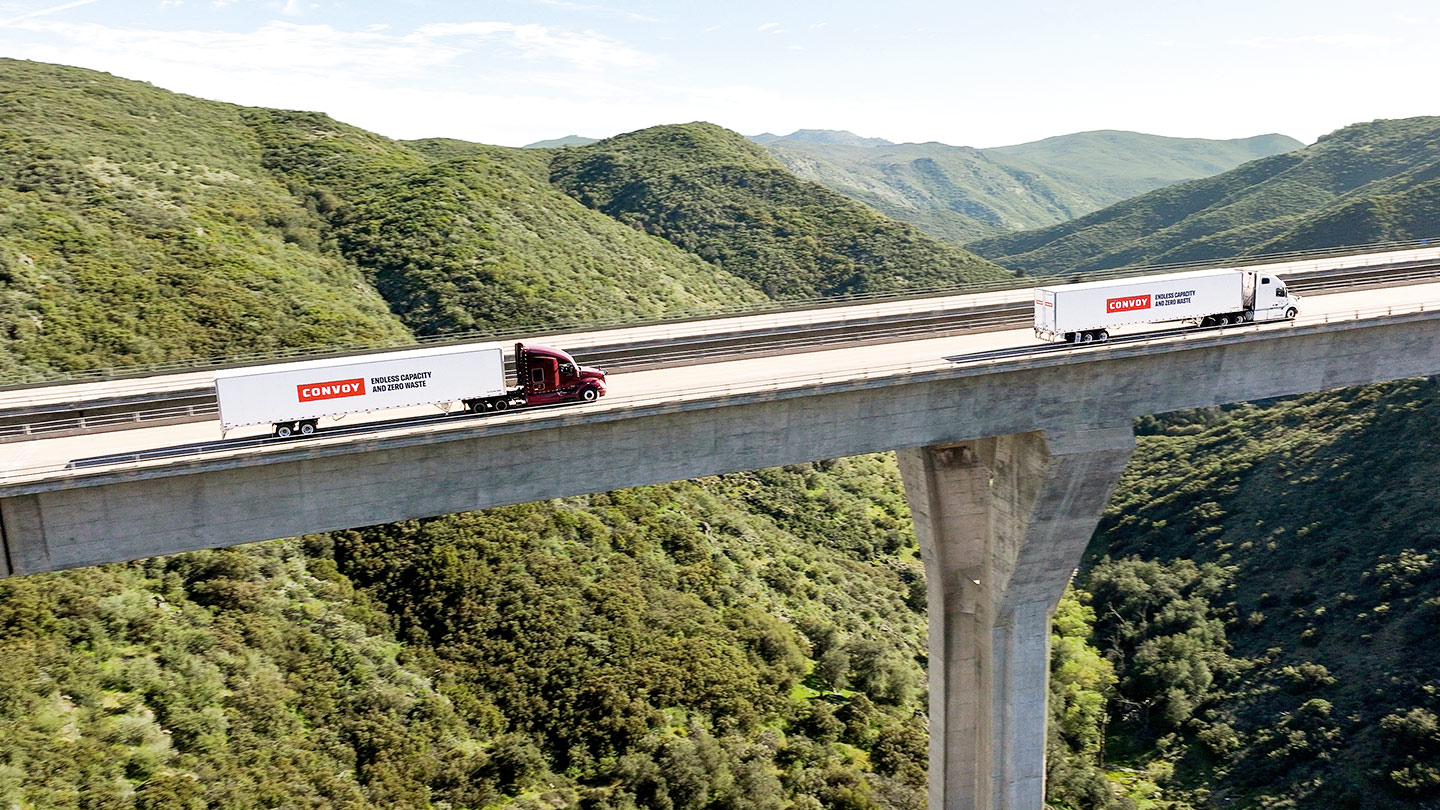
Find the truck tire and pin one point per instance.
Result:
(283, 431)
(307, 428)
(1291, 313)
(589, 395)
(1086, 337)
(1102, 335)
(501, 404)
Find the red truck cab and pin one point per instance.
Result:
(547, 376)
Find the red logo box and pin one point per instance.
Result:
(309, 392)
(1127, 304)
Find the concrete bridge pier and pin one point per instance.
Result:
(1002, 523)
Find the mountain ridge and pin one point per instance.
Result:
(962, 194)
(1341, 190)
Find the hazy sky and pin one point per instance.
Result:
(969, 73)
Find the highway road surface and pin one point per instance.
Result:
(46, 458)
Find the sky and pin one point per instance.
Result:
(980, 74)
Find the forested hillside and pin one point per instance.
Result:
(962, 194)
(725, 199)
(1262, 585)
(141, 225)
(1264, 579)
(750, 641)
(1268, 584)
(1366, 183)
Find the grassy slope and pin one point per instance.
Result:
(463, 236)
(1345, 189)
(1321, 513)
(138, 225)
(260, 676)
(962, 194)
(1125, 164)
(725, 199)
(651, 642)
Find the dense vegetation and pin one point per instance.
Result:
(137, 225)
(750, 641)
(1363, 184)
(1271, 577)
(1264, 576)
(1259, 603)
(962, 194)
(725, 199)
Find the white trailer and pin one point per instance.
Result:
(1081, 313)
(294, 396)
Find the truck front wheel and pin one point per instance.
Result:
(589, 395)
(1291, 313)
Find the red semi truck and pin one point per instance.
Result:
(294, 397)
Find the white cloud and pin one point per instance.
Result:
(587, 49)
(1348, 41)
(768, 26)
(570, 6)
(42, 12)
(285, 48)
(279, 47)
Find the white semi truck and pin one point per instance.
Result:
(1082, 313)
(294, 397)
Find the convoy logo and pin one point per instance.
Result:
(1128, 303)
(310, 392)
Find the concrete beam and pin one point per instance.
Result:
(87, 517)
(1002, 523)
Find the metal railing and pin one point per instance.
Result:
(16, 378)
(663, 356)
(664, 401)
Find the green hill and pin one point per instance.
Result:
(1365, 183)
(1265, 578)
(748, 641)
(962, 194)
(141, 225)
(463, 236)
(717, 195)
(137, 225)
(1268, 582)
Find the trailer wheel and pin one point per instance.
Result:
(501, 404)
(1102, 335)
(283, 431)
(1086, 337)
(307, 428)
(589, 395)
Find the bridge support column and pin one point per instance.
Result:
(1002, 523)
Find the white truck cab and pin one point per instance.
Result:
(1272, 300)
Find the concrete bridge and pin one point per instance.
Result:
(1007, 457)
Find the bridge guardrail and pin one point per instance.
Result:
(522, 331)
(11, 474)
